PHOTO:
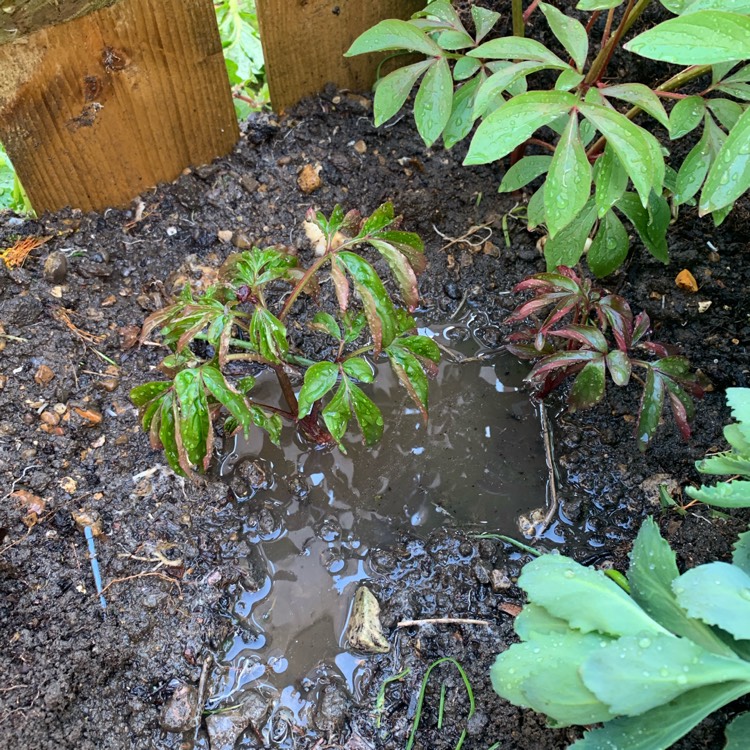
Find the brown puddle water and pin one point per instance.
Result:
(320, 517)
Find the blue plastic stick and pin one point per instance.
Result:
(95, 565)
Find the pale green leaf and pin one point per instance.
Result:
(465, 68)
(392, 91)
(641, 96)
(517, 48)
(718, 594)
(571, 33)
(734, 494)
(653, 669)
(693, 170)
(569, 244)
(568, 185)
(523, 172)
(729, 176)
(393, 34)
(610, 179)
(703, 38)
(319, 379)
(651, 222)
(738, 732)
(462, 114)
(490, 92)
(484, 20)
(685, 116)
(598, 4)
(636, 148)
(741, 553)
(609, 247)
(560, 585)
(515, 122)
(434, 101)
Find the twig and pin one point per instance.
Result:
(147, 574)
(465, 239)
(443, 621)
(202, 693)
(553, 502)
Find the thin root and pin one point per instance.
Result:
(443, 621)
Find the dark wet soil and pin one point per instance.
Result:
(78, 676)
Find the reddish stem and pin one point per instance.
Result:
(594, 17)
(530, 10)
(670, 95)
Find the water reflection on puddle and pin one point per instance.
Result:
(319, 517)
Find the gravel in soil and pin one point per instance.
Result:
(79, 676)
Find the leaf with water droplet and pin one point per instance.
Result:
(392, 90)
(568, 185)
(515, 122)
(568, 245)
(703, 38)
(729, 176)
(393, 34)
(570, 32)
(719, 594)
(651, 223)
(523, 172)
(434, 100)
(693, 170)
(640, 95)
(610, 246)
(462, 113)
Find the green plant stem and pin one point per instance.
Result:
(632, 13)
(519, 26)
(675, 82)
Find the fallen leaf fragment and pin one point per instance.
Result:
(29, 502)
(686, 281)
(510, 609)
(43, 375)
(92, 416)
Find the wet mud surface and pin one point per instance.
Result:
(177, 559)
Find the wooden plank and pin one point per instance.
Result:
(25, 16)
(304, 42)
(96, 110)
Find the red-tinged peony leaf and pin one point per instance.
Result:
(563, 308)
(641, 327)
(655, 348)
(340, 284)
(683, 408)
(652, 403)
(522, 351)
(402, 271)
(618, 314)
(533, 305)
(562, 359)
(586, 335)
(588, 387)
(619, 367)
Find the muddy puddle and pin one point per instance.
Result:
(316, 520)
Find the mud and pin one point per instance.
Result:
(77, 676)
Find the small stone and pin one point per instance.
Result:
(489, 248)
(3, 381)
(43, 375)
(108, 384)
(482, 574)
(225, 235)
(69, 485)
(686, 281)
(50, 418)
(284, 160)
(55, 268)
(240, 240)
(249, 183)
(500, 580)
(225, 727)
(309, 178)
(90, 415)
(452, 290)
(179, 712)
(128, 336)
(332, 710)
(360, 147)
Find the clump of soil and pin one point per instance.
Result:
(77, 675)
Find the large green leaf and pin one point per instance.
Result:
(598, 4)
(568, 183)
(652, 404)
(515, 122)
(268, 335)
(271, 423)
(366, 413)
(379, 310)
(358, 368)
(523, 675)
(393, 34)
(411, 375)
(641, 96)
(729, 176)
(737, 732)
(661, 727)
(693, 170)
(734, 494)
(703, 38)
(719, 594)
(462, 116)
(484, 20)
(337, 413)
(517, 48)
(560, 585)
(434, 101)
(610, 246)
(611, 180)
(653, 669)
(685, 116)
(489, 94)
(651, 223)
(653, 569)
(523, 172)
(319, 379)
(142, 394)
(392, 90)
(738, 400)
(535, 619)
(588, 387)
(168, 434)
(230, 398)
(569, 244)
(193, 419)
(741, 553)
(571, 33)
(402, 271)
(725, 463)
(636, 148)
